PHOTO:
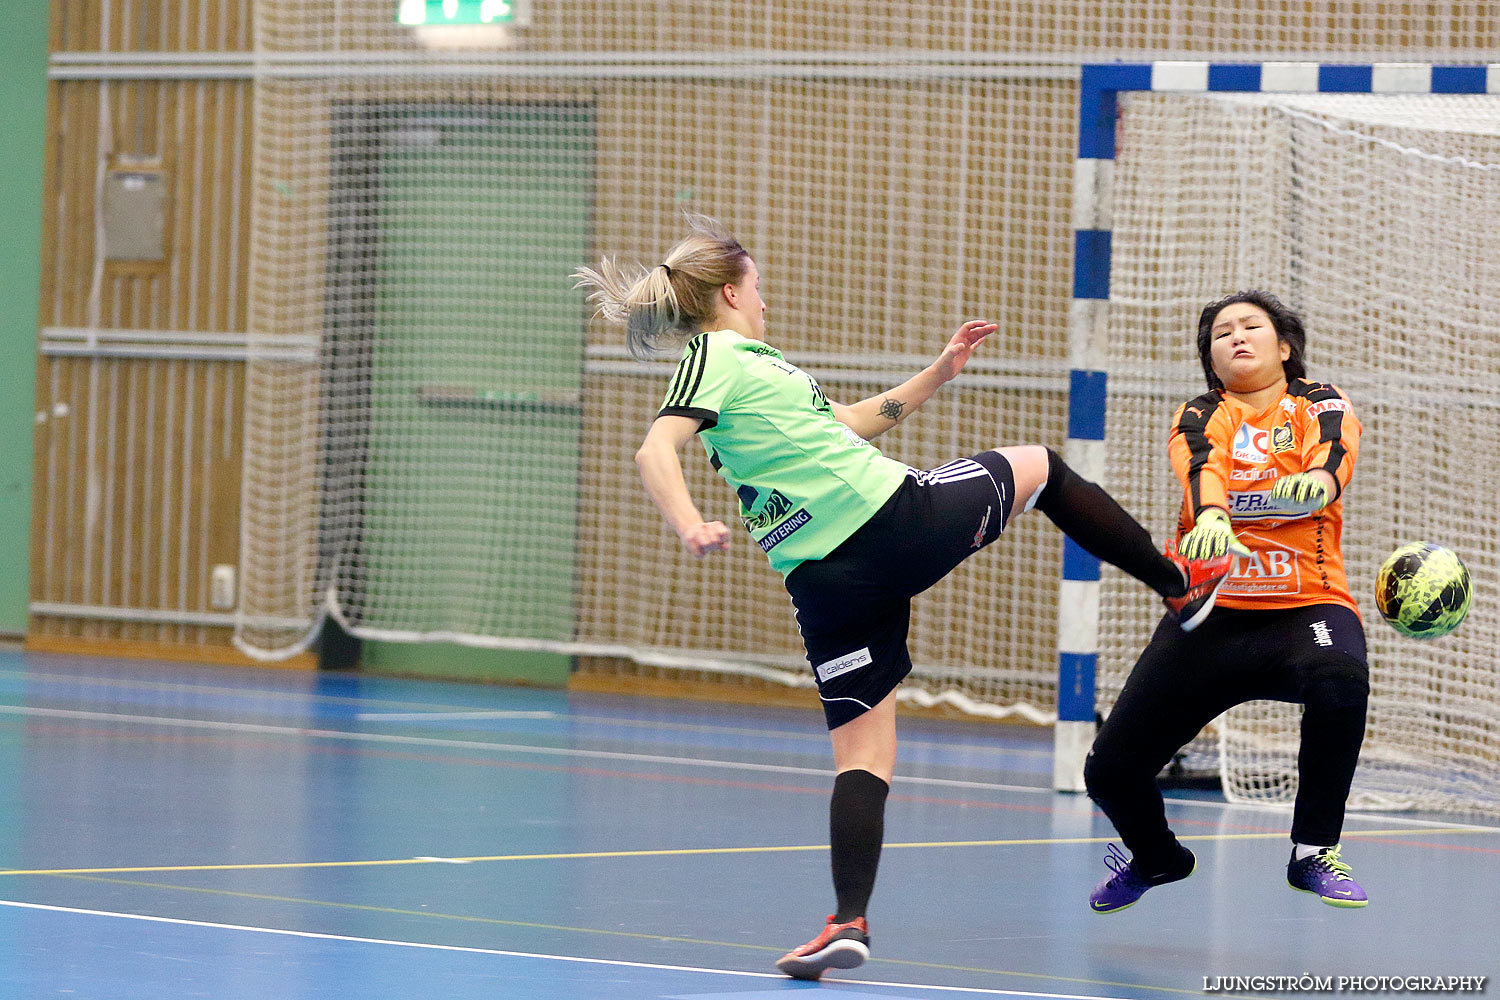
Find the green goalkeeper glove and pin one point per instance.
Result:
(1301, 493)
(1210, 537)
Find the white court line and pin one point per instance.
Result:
(449, 716)
(696, 762)
(434, 741)
(314, 935)
(178, 688)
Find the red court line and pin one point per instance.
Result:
(1423, 843)
(585, 771)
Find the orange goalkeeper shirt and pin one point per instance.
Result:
(1229, 456)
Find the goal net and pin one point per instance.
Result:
(458, 462)
(1377, 217)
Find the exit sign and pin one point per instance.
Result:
(456, 11)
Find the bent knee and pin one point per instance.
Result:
(1030, 468)
(1104, 773)
(1336, 681)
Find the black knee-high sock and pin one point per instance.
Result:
(856, 828)
(1093, 519)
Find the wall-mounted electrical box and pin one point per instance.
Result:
(135, 199)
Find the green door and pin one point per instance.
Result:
(475, 374)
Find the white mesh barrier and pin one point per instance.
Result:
(931, 31)
(458, 462)
(458, 465)
(1378, 219)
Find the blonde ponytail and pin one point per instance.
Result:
(673, 300)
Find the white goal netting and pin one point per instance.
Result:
(1378, 219)
(454, 462)
(458, 464)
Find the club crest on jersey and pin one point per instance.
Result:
(1281, 437)
(1250, 444)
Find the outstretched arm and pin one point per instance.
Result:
(661, 471)
(1199, 449)
(1329, 447)
(1305, 492)
(872, 417)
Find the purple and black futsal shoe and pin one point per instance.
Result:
(1127, 884)
(1327, 875)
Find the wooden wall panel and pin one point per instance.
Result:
(137, 474)
(138, 461)
(152, 25)
(138, 464)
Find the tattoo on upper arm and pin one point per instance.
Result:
(891, 409)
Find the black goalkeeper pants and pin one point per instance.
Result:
(1312, 655)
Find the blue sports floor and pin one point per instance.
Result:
(170, 831)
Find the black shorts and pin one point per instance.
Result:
(854, 605)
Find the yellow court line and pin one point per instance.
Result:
(681, 852)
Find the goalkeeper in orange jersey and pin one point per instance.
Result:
(1264, 458)
(855, 534)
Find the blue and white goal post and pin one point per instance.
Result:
(1099, 89)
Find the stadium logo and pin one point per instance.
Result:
(1250, 444)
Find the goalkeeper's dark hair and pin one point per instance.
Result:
(674, 299)
(1288, 330)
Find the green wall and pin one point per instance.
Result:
(23, 119)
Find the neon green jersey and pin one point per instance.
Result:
(805, 481)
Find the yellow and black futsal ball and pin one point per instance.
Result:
(1423, 590)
